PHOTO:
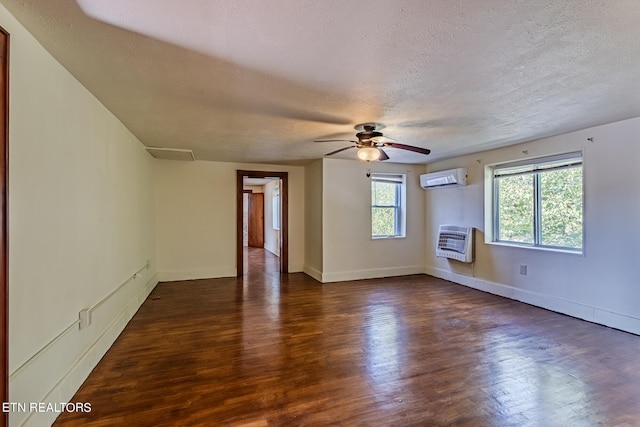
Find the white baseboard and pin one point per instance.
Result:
(208, 273)
(273, 249)
(57, 371)
(310, 271)
(212, 273)
(296, 268)
(344, 276)
(572, 308)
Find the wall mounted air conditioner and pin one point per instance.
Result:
(448, 178)
(455, 242)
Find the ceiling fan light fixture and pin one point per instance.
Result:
(368, 153)
(371, 143)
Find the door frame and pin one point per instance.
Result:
(4, 265)
(284, 216)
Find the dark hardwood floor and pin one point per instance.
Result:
(272, 350)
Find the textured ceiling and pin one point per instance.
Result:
(258, 81)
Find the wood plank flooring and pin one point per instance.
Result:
(272, 350)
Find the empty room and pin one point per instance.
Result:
(363, 213)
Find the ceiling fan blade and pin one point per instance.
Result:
(383, 155)
(334, 140)
(342, 149)
(407, 147)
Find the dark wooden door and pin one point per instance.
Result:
(256, 220)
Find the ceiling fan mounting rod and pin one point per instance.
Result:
(370, 126)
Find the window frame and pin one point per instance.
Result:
(399, 206)
(534, 167)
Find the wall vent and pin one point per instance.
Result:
(455, 242)
(171, 153)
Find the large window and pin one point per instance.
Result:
(387, 205)
(538, 203)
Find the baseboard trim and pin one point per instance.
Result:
(296, 268)
(586, 312)
(345, 276)
(94, 341)
(312, 272)
(274, 250)
(213, 273)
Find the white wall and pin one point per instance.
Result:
(349, 252)
(196, 217)
(245, 219)
(254, 188)
(313, 212)
(601, 286)
(81, 209)
(271, 235)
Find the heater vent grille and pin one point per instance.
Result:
(455, 242)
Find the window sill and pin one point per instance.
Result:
(387, 237)
(579, 252)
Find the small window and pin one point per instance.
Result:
(387, 205)
(538, 202)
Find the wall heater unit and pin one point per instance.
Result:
(455, 242)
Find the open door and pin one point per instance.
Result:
(256, 220)
(284, 216)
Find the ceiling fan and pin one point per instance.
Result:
(371, 141)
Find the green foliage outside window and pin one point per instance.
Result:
(515, 211)
(382, 221)
(562, 208)
(542, 208)
(385, 208)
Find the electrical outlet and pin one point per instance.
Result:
(523, 269)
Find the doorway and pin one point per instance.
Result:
(262, 216)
